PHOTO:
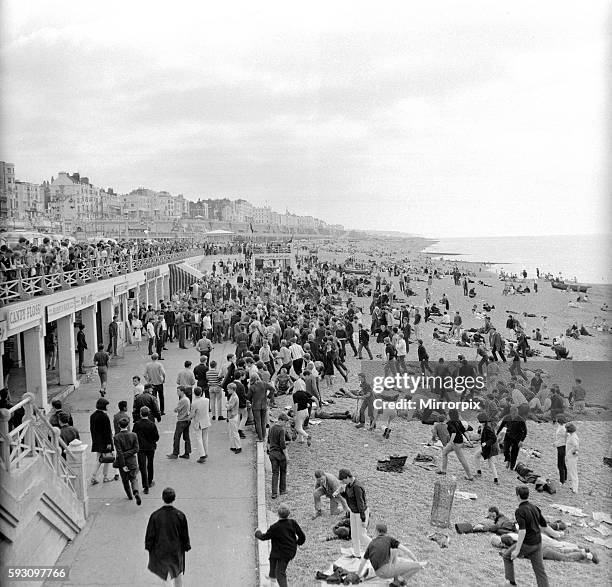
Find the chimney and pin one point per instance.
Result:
(75, 177)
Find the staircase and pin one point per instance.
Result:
(43, 497)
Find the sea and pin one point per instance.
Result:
(584, 257)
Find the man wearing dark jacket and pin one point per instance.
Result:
(286, 535)
(81, 347)
(146, 399)
(364, 342)
(148, 435)
(167, 540)
(354, 494)
(516, 432)
(199, 372)
(126, 445)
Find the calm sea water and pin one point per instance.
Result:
(586, 257)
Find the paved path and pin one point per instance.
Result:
(218, 497)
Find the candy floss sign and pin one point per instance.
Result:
(17, 317)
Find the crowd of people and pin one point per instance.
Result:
(290, 332)
(24, 259)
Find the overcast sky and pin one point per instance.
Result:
(435, 118)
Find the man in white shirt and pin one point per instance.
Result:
(137, 386)
(200, 419)
(297, 356)
(400, 347)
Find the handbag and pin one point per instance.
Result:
(106, 457)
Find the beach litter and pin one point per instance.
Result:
(606, 542)
(568, 509)
(442, 539)
(602, 517)
(603, 530)
(465, 495)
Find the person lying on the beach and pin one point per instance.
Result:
(552, 549)
(495, 522)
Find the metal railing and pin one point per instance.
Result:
(25, 288)
(34, 436)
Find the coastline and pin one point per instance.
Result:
(571, 258)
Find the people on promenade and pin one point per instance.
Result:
(146, 399)
(167, 540)
(81, 344)
(277, 451)
(148, 437)
(101, 441)
(101, 361)
(200, 420)
(183, 411)
(126, 460)
(155, 375)
(233, 418)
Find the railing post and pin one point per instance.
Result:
(76, 459)
(55, 435)
(29, 415)
(5, 447)
(130, 263)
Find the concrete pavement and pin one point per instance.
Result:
(218, 497)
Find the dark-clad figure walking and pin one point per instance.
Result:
(126, 445)
(167, 540)
(286, 535)
(148, 435)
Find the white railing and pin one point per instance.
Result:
(34, 436)
(24, 288)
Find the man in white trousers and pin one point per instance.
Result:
(354, 494)
(200, 422)
(233, 419)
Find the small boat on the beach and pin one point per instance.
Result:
(573, 286)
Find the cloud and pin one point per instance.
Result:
(450, 117)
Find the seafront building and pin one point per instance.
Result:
(71, 204)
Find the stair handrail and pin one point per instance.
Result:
(28, 440)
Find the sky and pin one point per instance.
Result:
(439, 118)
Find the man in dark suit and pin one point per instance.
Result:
(496, 342)
(126, 445)
(148, 435)
(113, 334)
(81, 347)
(167, 540)
(146, 399)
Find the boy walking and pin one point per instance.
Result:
(286, 535)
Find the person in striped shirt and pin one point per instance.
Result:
(213, 377)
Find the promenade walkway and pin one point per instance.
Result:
(218, 497)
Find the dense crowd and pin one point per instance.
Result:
(24, 259)
(291, 331)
